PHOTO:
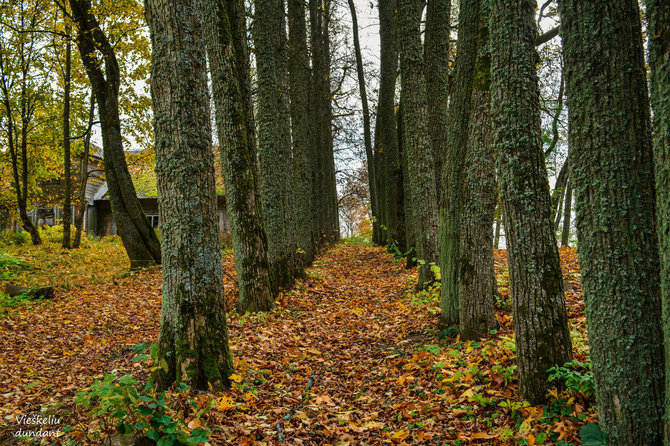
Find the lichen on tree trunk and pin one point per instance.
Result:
(193, 338)
(416, 140)
(274, 150)
(536, 282)
(612, 169)
(658, 18)
(477, 283)
(224, 24)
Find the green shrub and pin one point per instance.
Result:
(14, 238)
(576, 376)
(122, 403)
(54, 234)
(10, 266)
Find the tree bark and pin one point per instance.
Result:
(300, 85)
(226, 62)
(367, 136)
(420, 160)
(137, 235)
(387, 145)
(476, 280)
(658, 18)
(325, 191)
(67, 160)
(193, 338)
(274, 151)
(451, 206)
(536, 282)
(613, 172)
(436, 50)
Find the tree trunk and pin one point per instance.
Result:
(451, 206)
(67, 160)
(18, 148)
(79, 223)
(567, 210)
(536, 282)
(193, 337)
(367, 136)
(658, 17)
(137, 235)
(612, 168)
(274, 151)
(436, 50)
(226, 61)
(390, 177)
(420, 160)
(299, 79)
(328, 227)
(477, 283)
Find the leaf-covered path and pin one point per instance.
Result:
(349, 355)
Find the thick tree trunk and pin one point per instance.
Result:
(567, 214)
(477, 283)
(451, 206)
(367, 136)
(193, 337)
(67, 160)
(658, 17)
(536, 282)
(436, 50)
(137, 235)
(299, 80)
(390, 172)
(274, 150)
(612, 168)
(226, 61)
(420, 160)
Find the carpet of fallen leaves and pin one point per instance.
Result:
(351, 355)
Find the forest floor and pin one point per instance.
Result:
(351, 355)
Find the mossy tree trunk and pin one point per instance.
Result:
(137, 235)
(536, 282)
(613, 172)
(274, 150)
(299, 81)
(436, 50)
(390, 176)
(658, 18)
(451, 206)
(477, 283)
(226, 47)
(416, 139)
(326, 216)
(193, 338)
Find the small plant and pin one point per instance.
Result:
(10, 266)
(120, 403)
(514, 406)
(576, 376)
